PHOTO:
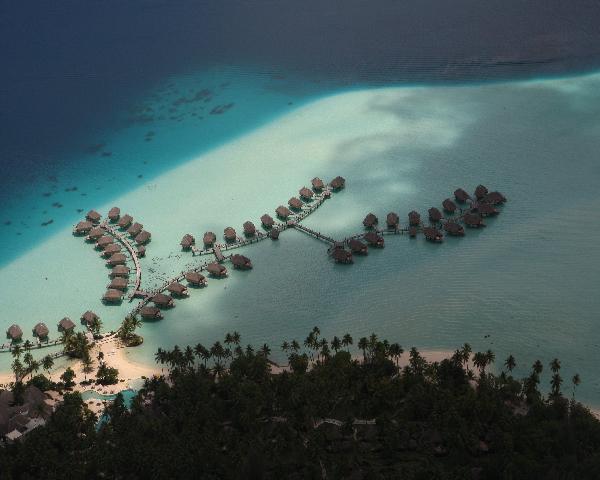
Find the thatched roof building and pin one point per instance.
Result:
(449, 206)
(374, 240)
(341, 255)
(187, 241)
(66, 324)
(433, 235)
(249, 228)
(461, 196)
(306, 193)
(143, 237)
(473, 220)
(195, 278)
(135, 229)
(163, 301)
(216, 269)
(209, 238)
(338, 182)
(125, 221)
(274, 234)
(454, 229)
(14, 332)
(93, 216)
(494, 198)
(141, 251)
(485, 209)
(414, 218)
(370, 220)
(434, 215)
(113, 295)
(178, 289)
(89, 317)
(480, 192)
(111, 249)
(267, 221)
(40, 330)
(229, 234)
(392, 220)
(95, 233)
(114, 213)
(119, 283)
(412, 231)
(152, 313)
(104, 241)
(241, 262)
(117, 259)
(358, 247)
(283, 212)
(295, 203)
(317, 183)
(83, 227)
(120, 271)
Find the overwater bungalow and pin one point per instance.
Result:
(65, 325)
(295, 203)
(433, 234)
(454, 229)
(209, 238)
(163, 301)
(461, 196)
(414, 218)
(341, 255)
(113, 295)
(14, 332)
(267, 221)
(196, 279)
(118, 283)
(374, 240)
(358, 247)
(493, 198)
(434, 215)
(111, 249)
(480, 192)
(119, 271)
(83, 227)
(449, 206)
(485, 209)
(338, 183)
(412, 231)
(135, 229)
(229, 234)
(151, 313)
(187, 241)
(241, 262)
(40, 330)
(317, 183)
(117, 259)
(114, 213)
(88, 318)
(178, 289)
(249, 229)
(306, 193)
(216, 269)
(141, 251)
(104, 241)
(283, 212)
(392, 220)
(370, 221)
(473, 220)
(95, 233)
(274, 234)
(125, 221)
(93, 216)
(143, 237)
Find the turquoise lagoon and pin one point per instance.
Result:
(524, 285)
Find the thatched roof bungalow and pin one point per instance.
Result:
(370, 220)
(163, 301)
(66, 324)
(229, 234)
(178, 289)
(111, 249)
(41, 330)
(295, 203)
(480, 192)
(306, 193)
(392, 220)
(14, 332)
(433, 235)
(494, 198)
(338, 183)
(120, 271)
(434, 215)
(216, 269)
(341, 255)
(117, 259)
(119, 283)
(414, 218)
(241, 262)
(141, 251)
(283, 212)
(461, 196)
(83, 227)
(267, 221)
(209, 238)
(89, 317)
(274, 234)
(374, 240)
(449, 206)
(125, 221)
(249, 229)
(95, 233)
(454, 229)
(187, 241)
(135, 229)
(113, 295)
(195, 278)
(317, 183)
(104, 241)
(143, 237)
(114, 213)
(358, 247)
(93, 216)
(473, 220)
(485, 209)
(151, 313)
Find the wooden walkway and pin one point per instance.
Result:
(313, 233)
(132, 251)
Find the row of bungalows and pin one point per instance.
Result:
(374, 240)
(40, 330)
(241, 262)
(195, 279)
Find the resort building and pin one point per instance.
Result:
(434, 215)
(370, 220)
(461, 196)
(216, 269)
(177, 289)
(93, 216)
(114, 213)
(249, 229)
(357, 247)
(14, 332)
(187, 241)
(306, 193)
(295, 203)
(113, 295)
(40, 331)
(209, 238)
(241, 262)
(83, 227)
(125, 221)
(163, 301)
(229, 234)
(65, 325)
(414, 218)
(143, 237)
(151, 313)
(392, 220)
(283, 212)
(374, 240)
(338, 183)
(267, 221)
(454, 229)
(196, 279)
(433, 234)
(135, 229)
(449, 206)
(317, 184)
(120, 271)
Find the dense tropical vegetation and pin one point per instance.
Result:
(220, 412)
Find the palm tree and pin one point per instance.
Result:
(295, 346)
(362, 344)
(249, 350)
(95, 326)
(347, 341)
(88, 366)
(490, 357)
(324, 352)
(336, 344)
(285, 346)
(189, 356)
(265, 350)
(480, 360)
(47, 363)
(555, 383)
(16, 351)
(555, 365)
(236, 337)
(537, 368)
(316, 331)
(218, 370)
(510, 363)
(228, 339)
(27, 345)
(217, 351)
(396, 352)
(576, 381)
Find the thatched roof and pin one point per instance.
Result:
(119, 283)
(486, 209)
(162, 300)
(454, 229)
(370, 220)
(135, 229)
(357, 246)
(113, 214)
(93, 216)
(494, 198)
(187, 241)
(295, 203)
(274, 234)
(373, 239)
(195, 278)
(338, 182)
(267, 220)
(341, 255)
(40, 330)
(249, 228)
(449, 205)
(113, 295)
(480, 191)
(239, 261)
(392, 219)
(473, 220)
(111, 249)
(433, 234)
(125, 221)
(83, 227)
(104, 241)
(209, 238)
(150, 312)
(229, 233)
(216, 269)
(141, 251)
(117, 259)
(89, 317)
(14, 332)
(461, 195)
(414, 218)
(66, 324)
(283, 212)
(143, 237)
(177, 288)
(95, 233)
(306, 193)
(434, 214)
(317, 183)
(120, 271)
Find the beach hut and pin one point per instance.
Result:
(480, 192)
(392, 220)
(485, 209)
(135, 229)
(493, 198)
(370, 220)
(216, 269)
(14, 332)
(449, 206)
(341, 255)
(433, 235)
(111, 249)
(229, 234)
(306, 193)
(412, 231)
(283, 212)
(473, 220)
(178, 289)
(114, 213)
(141, 251)
(241, 262)
(274, 234)
(317, 183)
(143, 237)
(209, 238)
(338, 183)
(120, 271)
(65, 325)
(163, 301)
(40, 331)
(113, 295)
(187, 241)
(93, 216)
(434, 215)
(295, 203)
(151, 313)
(454, 229)
(414, 218)
(249, 229)
(104, 241)
(125, 221)
(83, 227)
(196, 279)
(374, 240)
(117, 259)
(118, 283)
(267, 221)
(358, 247)
(89, 317)
(95, 233)
(461, 196)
